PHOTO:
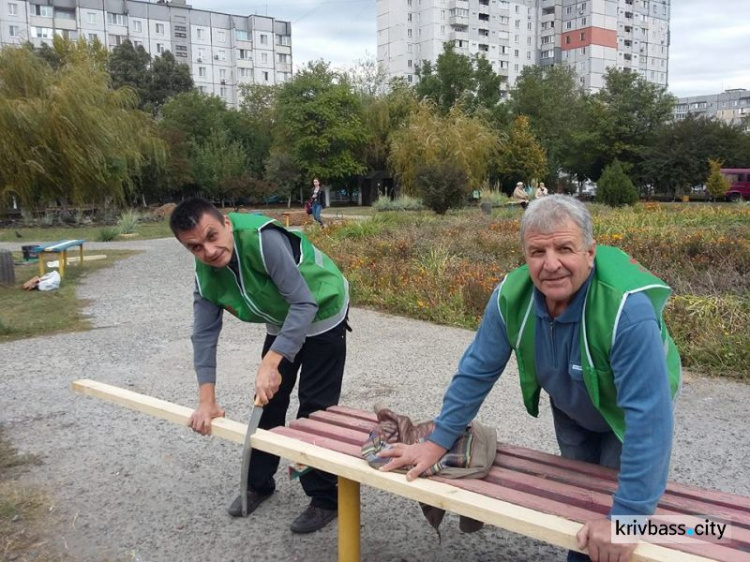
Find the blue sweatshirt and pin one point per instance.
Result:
(640, 371)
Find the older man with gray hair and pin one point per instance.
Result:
(585, 324)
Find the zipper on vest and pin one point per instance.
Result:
(552, 339)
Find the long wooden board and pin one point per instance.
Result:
(548, 528)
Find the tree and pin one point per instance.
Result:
(194, 113)
(716, 184)
(129, 66)
(523, 157)
(254, 125)
(430, 139)
(282, 172)
(615, 187)
(453, 79)
(627, 115)
(319, 123)
(366, 77)
(488, 83)
(66, 134)
(218, 166)
(442, 187)
(168, 78)
(554, 105)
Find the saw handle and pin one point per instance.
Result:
(257, 401)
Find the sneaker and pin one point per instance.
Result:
(253, 502)
(312, 519)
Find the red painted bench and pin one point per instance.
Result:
(547, 483)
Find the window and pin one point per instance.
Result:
(245, 54)
(44, 11)
(137, 44)
(160, 48)
(221, 36)
(285, 40)
(516, 53)
(223, 73)
(528, 55)
(568, 25)
(66, 14)
(41, 32)
(116, 19)
(583, 36)
(283, 58)
(201, 71)
(91, 17)
(241, 35)
(265, 75)
(263, 39)
(223, 92)
(409, 63)
(408, 33)
(408, 2)
(442, 29)
(138, 26)
(222, 55)
(199, 33)
(115, 40)
(264, 57)
(408, 16)
(584, 21)
(160, 29)
(13, 31)
(13, 9)
(93, 37)
(244, 72)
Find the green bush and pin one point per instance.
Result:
(442, 187)
(614, 188)
(128, 221)
(716, 184)
(495, 198)
(108, 233)
(404, 203)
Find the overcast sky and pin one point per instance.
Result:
(710, 49)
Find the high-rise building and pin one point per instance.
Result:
(588, 36)
(731, 106)
(222, 50)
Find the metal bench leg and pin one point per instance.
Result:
(62, 261)
(81, 255)
(349, 514)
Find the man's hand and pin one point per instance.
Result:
(200, 420)
(597, 536)
(268, 379)
(419, 456)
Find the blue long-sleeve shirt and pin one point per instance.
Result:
(640, 372)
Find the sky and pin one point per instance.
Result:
(709, 52)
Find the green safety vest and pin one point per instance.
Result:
(617, 275)
(254, 297)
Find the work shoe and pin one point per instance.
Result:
(253, 502)
(312, 519)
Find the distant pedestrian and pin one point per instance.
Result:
(318, 199)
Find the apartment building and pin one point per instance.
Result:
(731, 106)
(588, 36)
(222, 50)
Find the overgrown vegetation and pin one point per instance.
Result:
(443, 269)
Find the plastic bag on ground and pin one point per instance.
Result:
(49, 282)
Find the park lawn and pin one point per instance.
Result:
(442, 269)
(25, 314)
(143, 231)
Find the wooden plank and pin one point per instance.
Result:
(549, 528)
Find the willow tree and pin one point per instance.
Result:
(429, 139)
(67, 135)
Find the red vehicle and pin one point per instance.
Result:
(739, 180)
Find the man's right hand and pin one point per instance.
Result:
(419, 457)
(200, 420)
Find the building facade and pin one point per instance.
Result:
(731, 106)
(588, 36)
(222, 50)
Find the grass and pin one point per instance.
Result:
(144, 230)
(443, 270)
(24, 517)
(25, 314)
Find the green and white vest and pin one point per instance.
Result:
(254, 297)
(617, 275)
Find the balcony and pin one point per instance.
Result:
(459, 21)
(458, 35)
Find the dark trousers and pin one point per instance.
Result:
(580, 444)
(321, 360)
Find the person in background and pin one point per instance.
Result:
(541, 191)
(520, 196)
(318, 199)
(586, 326)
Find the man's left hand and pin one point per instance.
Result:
(597, 536)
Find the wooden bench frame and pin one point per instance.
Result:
(353, 471)
(61, 248)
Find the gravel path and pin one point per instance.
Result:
(129, 487)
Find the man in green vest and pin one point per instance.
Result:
(252, 267)
(585, 324)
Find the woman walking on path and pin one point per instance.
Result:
(318, 199)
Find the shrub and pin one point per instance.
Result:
(614, 188)
(442, 187)
(108, 233)
(128, 221)
(404, 203)
(716, 184)
(495, 198)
